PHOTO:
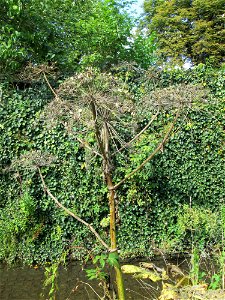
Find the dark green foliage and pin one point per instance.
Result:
(22, 130)
(188, 29)
(190, 169)
(188, 172)
(69, 34)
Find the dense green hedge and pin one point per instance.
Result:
(191, 168)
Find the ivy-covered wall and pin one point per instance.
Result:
(189, 171)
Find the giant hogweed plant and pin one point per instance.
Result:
(101, 106)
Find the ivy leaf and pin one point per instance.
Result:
(113, 259)
(96, 259)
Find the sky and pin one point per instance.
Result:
(138, 6)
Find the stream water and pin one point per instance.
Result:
(26, 283)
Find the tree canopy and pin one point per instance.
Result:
(72, 34)
(188, 29)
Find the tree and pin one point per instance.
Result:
(188, 29)
(70, 34)
(30, 32)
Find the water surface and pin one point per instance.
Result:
(26, 283)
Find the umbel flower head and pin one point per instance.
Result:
(33, 159)
(108, 94)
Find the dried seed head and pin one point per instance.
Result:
(109, 95)
(182, 95)
(33, 159)
(34, 73)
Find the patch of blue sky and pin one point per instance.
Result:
(137, 8)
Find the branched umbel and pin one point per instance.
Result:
(107, 90)
(59, 111)
(77, 96)
(109, 94)
(33, 160)
(34, 73)
(114, 105)
(176, 96)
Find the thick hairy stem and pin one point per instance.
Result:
(119, 274)
(158, 148)
(108, 177)
(97, 131)
(112, 213)
(71, 213)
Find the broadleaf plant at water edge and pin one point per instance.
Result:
(101, 106)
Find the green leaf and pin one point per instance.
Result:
(113, 259)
